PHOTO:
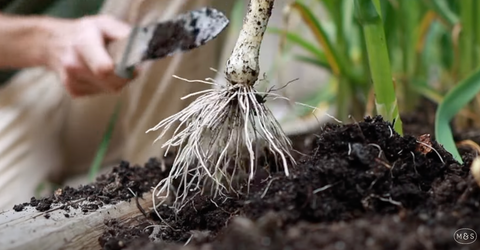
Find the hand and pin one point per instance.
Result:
(76, 50)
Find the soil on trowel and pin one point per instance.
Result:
(358, 186)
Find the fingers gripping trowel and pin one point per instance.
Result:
(157, 40)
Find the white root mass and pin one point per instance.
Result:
(216, 134)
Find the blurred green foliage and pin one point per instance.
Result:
(433, 48)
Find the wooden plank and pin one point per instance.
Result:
(30, 229)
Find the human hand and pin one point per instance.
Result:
(77, 51)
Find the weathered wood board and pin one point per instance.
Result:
(30, 229)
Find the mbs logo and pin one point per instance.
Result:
(465, 236)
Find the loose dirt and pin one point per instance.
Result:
(356, 186)
(121, 184)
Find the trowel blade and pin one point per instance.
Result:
(185, 32)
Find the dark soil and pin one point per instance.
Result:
(359, 186)
(110, 189)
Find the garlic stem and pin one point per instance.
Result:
(243, 65)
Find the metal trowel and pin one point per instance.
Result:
(185, 32)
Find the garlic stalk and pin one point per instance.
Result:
(243, 65)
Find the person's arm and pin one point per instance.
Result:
(20, 39)
(74, 49)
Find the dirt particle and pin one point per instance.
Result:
(18, 207)
(44, 205)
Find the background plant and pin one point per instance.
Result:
(432, 48)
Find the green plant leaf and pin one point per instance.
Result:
(102, 150)
(442, 8)
(457, 98)
(427, 91)
(350, 27)
(329, 5)
(236, 16)
(300, 41)
(313, 61)
(370, 18)
(467, 37)
(320, 35)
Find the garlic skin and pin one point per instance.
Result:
(243, 65)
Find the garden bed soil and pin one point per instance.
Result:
(356, 186)
(361, 186)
